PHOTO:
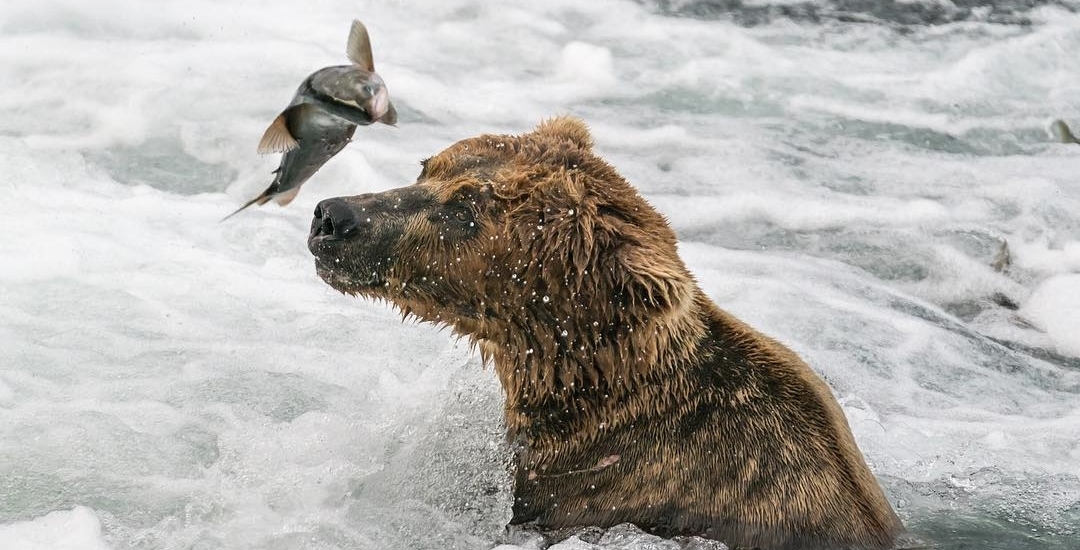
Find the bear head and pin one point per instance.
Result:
(528, 244)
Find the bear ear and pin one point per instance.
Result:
(566, 128)
(653, 281)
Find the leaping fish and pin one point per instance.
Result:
(321, 118)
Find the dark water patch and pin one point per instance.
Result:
(971, 142)
(950, 531)
(281, 396)
(989, 508)
(1043, 354)
(898, 13)
(687, 102)
(93, 459)
(995, 355)
(445, 473)
(317, 537)
(162, 164)
(922, 138)
(1018, 141)
(969, 309)
(887, 255)
(973, 242)
(895, 258)
(29, 494)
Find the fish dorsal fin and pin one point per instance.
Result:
(359, 47)
(277, 138)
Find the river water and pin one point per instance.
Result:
(842, 175)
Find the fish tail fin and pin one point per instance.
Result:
(261, 199)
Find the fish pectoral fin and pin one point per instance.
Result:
(287, 196)
(359, 47)
(277, 138)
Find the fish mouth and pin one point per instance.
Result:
(379, 104)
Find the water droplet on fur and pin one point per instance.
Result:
(564, 333)
(529, 351)
(570, 212)
(546, 299)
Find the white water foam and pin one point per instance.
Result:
(1054, 307)
(77, 529)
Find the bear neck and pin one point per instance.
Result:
(562, 357)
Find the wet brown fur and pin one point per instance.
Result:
(630, 396)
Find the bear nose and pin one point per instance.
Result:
(334, 218)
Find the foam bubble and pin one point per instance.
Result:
(1054, 306)
(588, 66)
(77, 529)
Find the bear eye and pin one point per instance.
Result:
(463, 215)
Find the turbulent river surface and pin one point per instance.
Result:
(842, 174)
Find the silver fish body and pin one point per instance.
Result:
(321, 135)
(322, 117)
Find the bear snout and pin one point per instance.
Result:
(334, 220)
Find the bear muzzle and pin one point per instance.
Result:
(356, 240)
(334, 219)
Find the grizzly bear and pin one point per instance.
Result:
(630, 396)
